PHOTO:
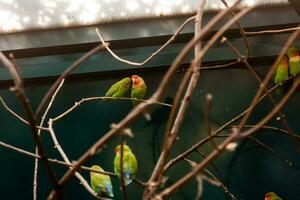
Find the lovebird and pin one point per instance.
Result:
(294, 60)
(272, 196)
(138, 91)
(101, 183)
(282, 71)
(119, 88)
(129, 163)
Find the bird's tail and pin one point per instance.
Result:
(127, 179)
(109, 190)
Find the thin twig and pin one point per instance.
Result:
(123, 187)
(268, 76)
(221, 66)
(144, 105)
(18, 116)
(64, 75)
(285, 30)
(62, 163)
(20, 93)
(213, 67)
(291, 164)
(269, 128)
(36, 163)
(256, 76)
(274, 111)
(241, 29)
(217, 182)
(216, 132)
(212, 163)
(84, 100)
(207, 126)
(154, 53)
(66, 159)
(171, 134)
(235, 135)
(157, 172)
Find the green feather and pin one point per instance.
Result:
(119, 88)
(281, 75)
(294, 60)
(138, 92)
(282, 71)
(129, 163)
(101, 183)
(295, 66)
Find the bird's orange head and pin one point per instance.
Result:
(292, 51)
(125, 148)
(268, 196)
(136, 80)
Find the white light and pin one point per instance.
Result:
(123, 14)
(49, 3)
(9, 21)
(148, 1)
(7, 1)
(87, 17)
(185, 8)
(162, 10)
(26, 19)
(249, 2)
(132, 6)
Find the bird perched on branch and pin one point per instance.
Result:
(294, 60)
(272, 196)
(119, 88)
(282, 71)
(281, 74)
(129, 163)
(101, 183)
(138, 91)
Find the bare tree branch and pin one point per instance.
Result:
(285, 30)
(256, 76)
(19, 91)
(35, 173)
(66, 159)
(18, 116)
(155, 97)
(186, 22)
(241, 29)
(263, 85)
(64, 75)
(236, 134)
(216, 182)
(84, 100)
(157, 172)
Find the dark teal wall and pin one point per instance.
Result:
(249, 172)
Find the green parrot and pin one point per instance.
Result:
(138, 91)
(282, 71)
(129, 163)
(101, 183)
(272, 196)
(294, 60)
(119, 88)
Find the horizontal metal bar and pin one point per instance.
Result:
(70, 40)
